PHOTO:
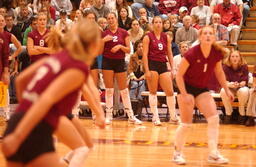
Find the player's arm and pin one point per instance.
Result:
(32, 50)
(169, 51)
(145, 44)
(180, 76)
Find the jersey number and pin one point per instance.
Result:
(41, 42)
(160, 46)
(42, 71)
(115, 39)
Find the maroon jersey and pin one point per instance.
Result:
(200, 69)
(118, 39)
(157, 48)
(5, 40)
(50, 70)
(236, 75)
(39, 40)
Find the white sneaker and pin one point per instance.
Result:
(109, 118)
(134, 120)
(217, 158)
(156, 122)
(178, 158)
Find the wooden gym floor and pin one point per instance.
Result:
(126, 145)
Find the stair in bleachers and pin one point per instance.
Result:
(247, 44)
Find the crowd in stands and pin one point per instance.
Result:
(182, 19)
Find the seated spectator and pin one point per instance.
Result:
(183, 47)
(78, 15)
(246, 10)
(120, 4)
(175, 24)
(195, 22)
(169, 7)
(38, 4)
(193, 3)
(187, 32)
(251, 107)
(236, 72)
(167, 25)
(102, 21)
(85, 4)
(64, 23)
(136, 32)
(231, 18)
(136, 72)
(62, 5)
(183, 11)
(203, 12)
(23, 19)
(123, 20)
(11, 28)
(143, 13)
(20, 4)
(3, 11)
(151, 9)
(50, 21)
(99, 9)
(221, 31)
(175, 48)
(238, 3)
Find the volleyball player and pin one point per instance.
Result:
(49, 95)
(116, 44)
(156, 53)
(195, 70)
(36, 44)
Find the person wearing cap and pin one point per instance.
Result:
(62, 5)
(64, 23)
(183, 11)
(187, 32)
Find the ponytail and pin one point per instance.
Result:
(54, 39)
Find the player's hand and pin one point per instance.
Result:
(148, 75)
(100, 121)
(116, 48)
(108, 38)
(10, 144)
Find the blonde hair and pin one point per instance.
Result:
(54, 39)
(241, 62)
(78, 40)
(216, 46)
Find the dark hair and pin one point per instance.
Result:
(118, 7)
(87, 12)
(136, 44)
(125, 9)
(9, 15)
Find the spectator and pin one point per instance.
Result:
(251, 107)
(183, 11)
(193, 3)
(167, 25)
(23, 20)
(195, 22)
(203, 12)
(64, 23)
(11, 28)
(236, 72)
(222, 36)
(38, 4)
(124, 21)
(123, 3)
(186, 33)
(20, 4)
(151, 9)
(136, 32)
(62, 5)
(246, 10)
(99, 9)
(85, 4)
(78, 15)
(102, 21)
(3, 11)
(238, 3)
(175, 24)
(169, 7)
(174, 46)
(231, 18)
(136, 72)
